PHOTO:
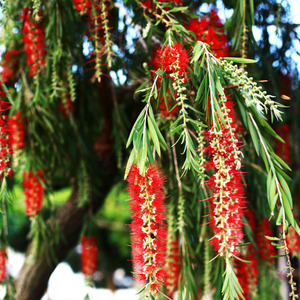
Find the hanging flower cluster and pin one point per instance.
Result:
(3, 260)
(10, 66)
(34, 45)
(89, 253)
(210, 30)
(265, 247)
(33, 192)
(148, 229)
(173, 269)
(16, 131)
(174, 59)
(227, 200)
(5, 149)
(82, 6)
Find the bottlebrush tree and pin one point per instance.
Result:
(174, 100)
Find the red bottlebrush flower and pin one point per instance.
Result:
(89, 255)
(148, 230)
(293, 242)
(174, 59)
(173, 269)
(3, 260)
(210, 30)
(33, 192)
(5, 149)
(65, 106)
(227, 200)
(10, 65)
(82, 6)
(16, 131)
(33, 39)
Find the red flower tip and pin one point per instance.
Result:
(33, 39)
(89, 253)
(5, 148)
(33, 192)
(3, 261)
(16, 131)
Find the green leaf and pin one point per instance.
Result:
(197, 51)
(253, 134)
(141, 89)
(159, 135)
(272, 238)
(141, 290)
(180, 8)
(135, 127)
(240, 60)
(153, 136)
(271, 192)
(283, 174)
(176, 129)
(231, 287)
(269, 129)
(289, 215)
(286, 189)
(280, 161)
(201, 88)
(129, 163)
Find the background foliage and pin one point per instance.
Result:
(102, 74)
